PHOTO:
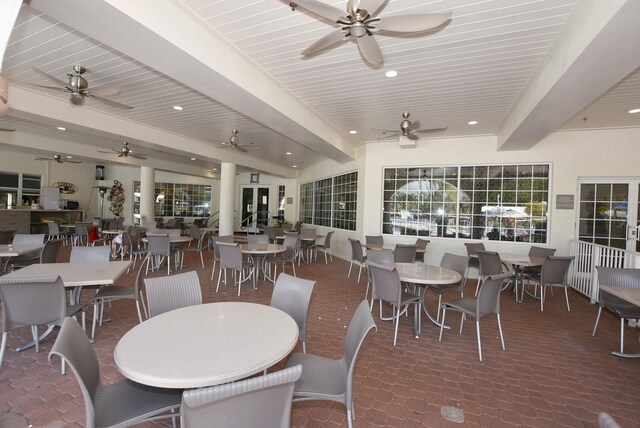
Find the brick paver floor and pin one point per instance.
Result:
(552, 373)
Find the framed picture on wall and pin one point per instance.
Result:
(255, 177)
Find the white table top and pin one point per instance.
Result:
(631, 295)
(204, 345)
(111, 232)
(387, 247)
(420, 273)
(262, 248)
(173, 239)
(76, 274)
(521, 260)
(10, 250)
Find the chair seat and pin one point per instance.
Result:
(123, 403)
(466, 305)
(115, 292)
(321, 377)
(73, 310)
(441, 289)
(407, 298)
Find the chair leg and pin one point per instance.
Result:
(397, 321)
(359, 273)
(95, 320)
(478, 335)
(36, 338)
(542, 293)
(439, 304)
(220, 276)
(139, 313)
(463, 317)
(500, 330)
(621, 335)
(444, 313)
(597, 321)
(350, 266)
(566, 296)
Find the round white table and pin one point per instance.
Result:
(424, 275)
(259, 252)
(205, 345)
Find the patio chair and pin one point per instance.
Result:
(216, 249)
(231, 258)
(382, 256)
(51, 250)
(388, 288)
(618, 277)
(405, 253)
(292, 295)
(456, 263)
(132, 241)
(167, 293)
(324, 247)
(553, 274)
(357, 257)
(56, 233)
(257, 239)
(327, 379)
(260, 401)
(292, 243)
(606, 421)
(374, 241)
(421, 244)
(474, 261)
(489, 264)
(487, 302)
(119, 404)
(119, 292)
(81, 234)
(200, 246)
(34, 301)
(30, 258)
(6, 236)
(541, 252)
(89, 254)
(159, 246)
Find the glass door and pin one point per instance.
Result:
(255, 208)
(608, 213)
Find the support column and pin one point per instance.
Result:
(227, 197)
(147, 194)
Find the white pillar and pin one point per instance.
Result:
(147, 195)
(227, 192)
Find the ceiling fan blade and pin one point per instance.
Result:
(105, 91)
(71, 161)
(419, 131)
(413, 23)
(47, 87)
(413, 137)
(324, 42)
(414, 125)
(109, 102)
(370, 50)
(352, 7)
(386, 137)
(107, 151)
(371, 6)
(39, 158)
(6, 130)
(250, 147)
(240, 149)
(326, 11)
(140, 156)
(384, 130)
(50, 77)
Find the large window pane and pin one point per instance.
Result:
(331, 202)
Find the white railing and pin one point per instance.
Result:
(583, 277)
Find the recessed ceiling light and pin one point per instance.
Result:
(61, 128)
(193, 158)
(69, 157)
(635, 110)
(294, 166)
(288, 153)
(179, 108)
(214, 169)
(391, 73)
(473, 122)
(353, 131)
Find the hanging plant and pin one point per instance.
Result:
(116, 197)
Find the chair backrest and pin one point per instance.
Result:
(230, 255)
(292, 242)
(421, 243)
(32, 301)
(327, 240)
(405, 253)
(308, 232)
(6, 236)
(195, 232)
(474, 247)
(606, 421)
(50, 251)
(173, 232)
(619, 277)
(360, 325)
(554, 270)
(258, 239)
(382, 256)
(297, 226)
(82, 229)
(54, 228)
(270, 232)
(488, 300)
(490, 263)
(541, 251)
(386, 283)
(374, 240)
(159, 244)
(27, 239)
(456, 263)
(73, 346)
(263, 401)
(356, 250)
(167, 293)
(292, 295)
(214, 240)
(89, 254)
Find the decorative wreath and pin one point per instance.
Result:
(67, 188)
(116, 197)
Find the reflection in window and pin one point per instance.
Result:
(497, 202)
(176, 200)
(330, 202)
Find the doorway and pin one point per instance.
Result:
(254, 209)
(608, 213)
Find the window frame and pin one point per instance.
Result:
(319, 204)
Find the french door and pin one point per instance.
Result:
(608, 213)
(255, 208)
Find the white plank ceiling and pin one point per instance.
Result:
(475, 68)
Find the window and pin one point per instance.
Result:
(496, 202)
(281, 202)
(19, 189)
(330, 202)
(176, 200)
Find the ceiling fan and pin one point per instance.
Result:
(360, 23)
(409, 129)
(58, 159)
(124, 152)
(6, 130)
(234, 144)
(78, 87)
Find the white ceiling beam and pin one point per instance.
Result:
(166, 37)
(598, 47)
(37, 107)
